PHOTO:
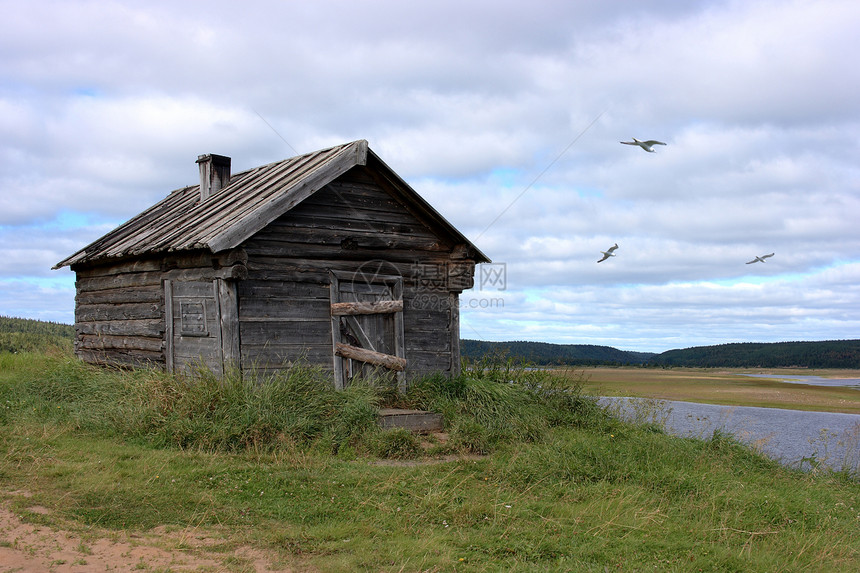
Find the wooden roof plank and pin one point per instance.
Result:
(252, 200)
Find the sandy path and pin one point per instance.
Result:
(31, 548)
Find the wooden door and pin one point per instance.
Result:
(367, 327)
(201, 325)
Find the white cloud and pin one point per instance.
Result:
(676, 315)
(28, 299)
(507, 120)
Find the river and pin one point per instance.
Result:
(811, 380)
(795, 438)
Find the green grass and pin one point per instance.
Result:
(294, 468)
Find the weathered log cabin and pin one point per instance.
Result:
(329, 258)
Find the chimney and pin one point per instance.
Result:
(214, 174)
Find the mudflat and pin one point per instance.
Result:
(724, 386)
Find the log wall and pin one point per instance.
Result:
(352, 225)
(119, 314)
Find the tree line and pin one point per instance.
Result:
(547, 354)
(819, 354)
(27, 335)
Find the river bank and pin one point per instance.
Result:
(795, 438)
(727, 387)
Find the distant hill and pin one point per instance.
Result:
(26, 335)
(544, 353)
(823, 354)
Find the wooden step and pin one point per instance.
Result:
(417, 421)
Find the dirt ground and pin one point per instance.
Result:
(27, 547)
(30, 548)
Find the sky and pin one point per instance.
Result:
(506, 116)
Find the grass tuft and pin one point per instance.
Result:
(396, 444)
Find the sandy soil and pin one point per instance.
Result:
(29, 548)
(26, 547)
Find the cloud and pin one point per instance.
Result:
(28, 299)
(507, 120)
(688, 313)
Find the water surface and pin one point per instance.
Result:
(793, 437)
(812, 380)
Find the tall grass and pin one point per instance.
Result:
(486, 406)
(494, 402)
(233, 412)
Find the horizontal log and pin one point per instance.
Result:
(119, 281)
(430, 340)
(331, 217)
(277, 355)
(165, 262)
(122, 359)
(371, 357)
(427, 362)
(107, 312)
(148, 327)
(193, 289)
(461, 275)
(318, 277)
(360, 291)
(426, 321)
(234, 272)
(285, 332)
(128, 343)
(284, 289)
(319, 240)
(357, 197)
(120, 267)
(279, 308)
(233, 257)
(353, 308)
(152, 293)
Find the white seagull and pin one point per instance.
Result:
(760, 259)
(646, 145)
(608, 252)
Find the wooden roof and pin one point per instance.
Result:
(252, 199)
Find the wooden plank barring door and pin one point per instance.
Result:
(367, 327)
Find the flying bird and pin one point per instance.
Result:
(646, 145)
(608, 252)
(760, 259)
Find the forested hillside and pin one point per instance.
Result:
(543, 353)
(26, 335)
(824, 354)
